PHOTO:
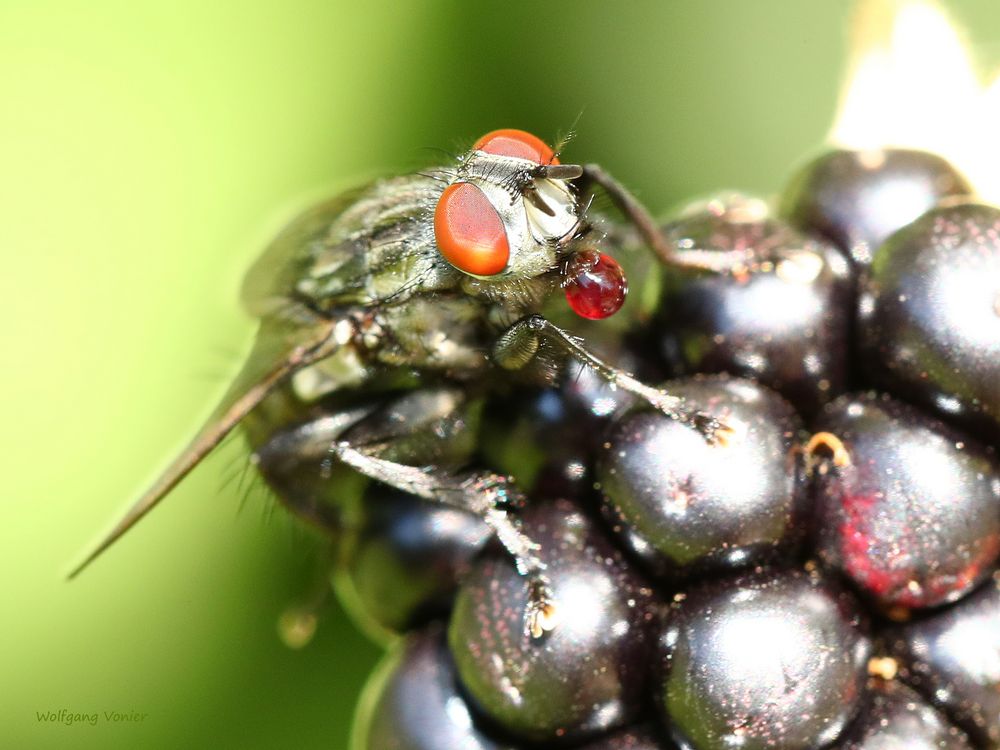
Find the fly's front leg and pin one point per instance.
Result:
(519, 344)
(489, 496)
(638, 215)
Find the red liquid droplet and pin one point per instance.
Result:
(597, 288)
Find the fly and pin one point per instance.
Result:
(409, 296)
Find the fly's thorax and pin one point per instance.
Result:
(379, 250)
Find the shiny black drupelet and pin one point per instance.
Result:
(909, 509)
(587, 674)
(782, 315)
(685, 507)
(767, 660)
(897, 717)
(929, 316)
(402, 558)
(953, 658)
(412, 702)
(858, 198)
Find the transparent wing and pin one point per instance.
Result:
(289, 337)
(274, 275)
(283, 345)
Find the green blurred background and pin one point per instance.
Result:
(147, 150)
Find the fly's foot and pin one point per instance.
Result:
(520, 343)
(499, 489)
(714, 430)
(541, 615)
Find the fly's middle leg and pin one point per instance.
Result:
(310, 466)
(489, 496)
(519, 344)
(432, 425)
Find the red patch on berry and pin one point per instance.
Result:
(595, 285)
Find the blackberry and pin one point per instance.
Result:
(684, 506)
(780, 316)
(930, 315)
(858, 198)
(908, 509)
(823, 576)
(821, 573)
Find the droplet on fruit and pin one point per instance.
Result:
(595, 285)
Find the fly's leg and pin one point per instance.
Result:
(489, 496)
(649, 230)
(297, 624)
(431, 425)
(519, 344)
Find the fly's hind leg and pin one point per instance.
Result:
(489, 496)
(431, 425)
(298, 623)
(519, 344)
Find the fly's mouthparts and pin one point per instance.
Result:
(531, 195)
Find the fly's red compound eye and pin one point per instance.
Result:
(519, 143)
(595, 285)
(469, 231)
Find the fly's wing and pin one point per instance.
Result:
(282, 347)
(274, 276)
(289, 338)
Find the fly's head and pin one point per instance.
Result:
(510, 213)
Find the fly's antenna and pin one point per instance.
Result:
(252, 385)
(557, 171)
